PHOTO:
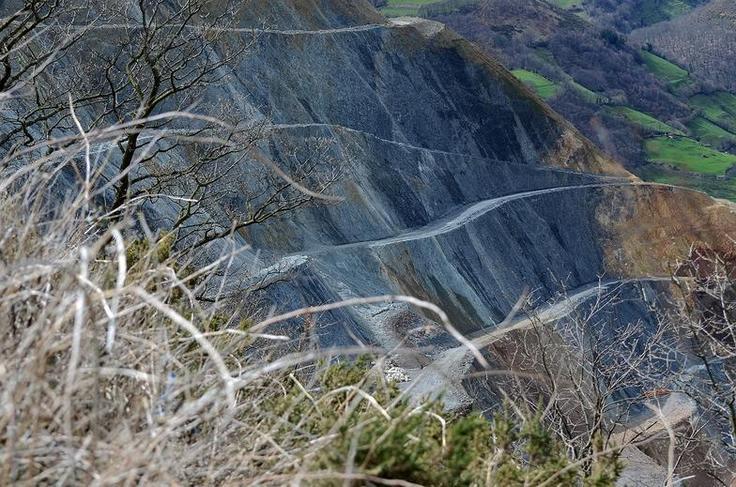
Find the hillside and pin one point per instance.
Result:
(620, 15)
(618, 94)
(320, 153)
(704, 41)
(591, 67)
(628, 15)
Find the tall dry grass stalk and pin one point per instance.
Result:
(113, 372)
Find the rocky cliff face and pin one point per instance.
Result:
(459, 185)
(454, 193)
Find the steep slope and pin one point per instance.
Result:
(431, 133)
(456, 184)
(432, 129)
(459, 185)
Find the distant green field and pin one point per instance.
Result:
(398, 8)
(676, 7)
(566, 3)
(399, 12)
(665, 70)
(645, 121)
(717, 187)
(688, 154)
(541, 85)
(653, 11)
(708, 132)
(719, 108)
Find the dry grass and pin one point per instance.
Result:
(112, 372)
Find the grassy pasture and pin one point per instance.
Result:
(587, 94)
(719, 108)
(708, 132)
(688, 154)
(716, 187)
(643, 120)
(654, 10)
(566, 3)
(398, 8)
(545, 88)
(665, 70)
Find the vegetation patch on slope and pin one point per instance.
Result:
(653, 11)
(545, 88)
(664, 69)
(587, 94)
(719, 108)
(398, 8)
(716, 187)
(710, 133)
(643, 120)
(626, 15)
(566, 3)
(703, 40)
(688, 154)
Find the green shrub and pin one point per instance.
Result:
(384, 436)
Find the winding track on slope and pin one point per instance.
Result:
(451, 366)
(448, 370)
(405, 145)
(342, 128)
(468, 214)
(547, 314)
(397, 22)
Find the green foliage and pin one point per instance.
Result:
(346, 373)
(648, 12)
(614, 38)
(141, 254)
(545, 88)
(588, 95)
(141, 249)
(665, 70)
(718, 108)
(409, 445)
(566, 3)
(708, 132)
(606, 469)
(717, 187)
(542, 455)
(398, 8)
(390, 438)
(643, 120)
